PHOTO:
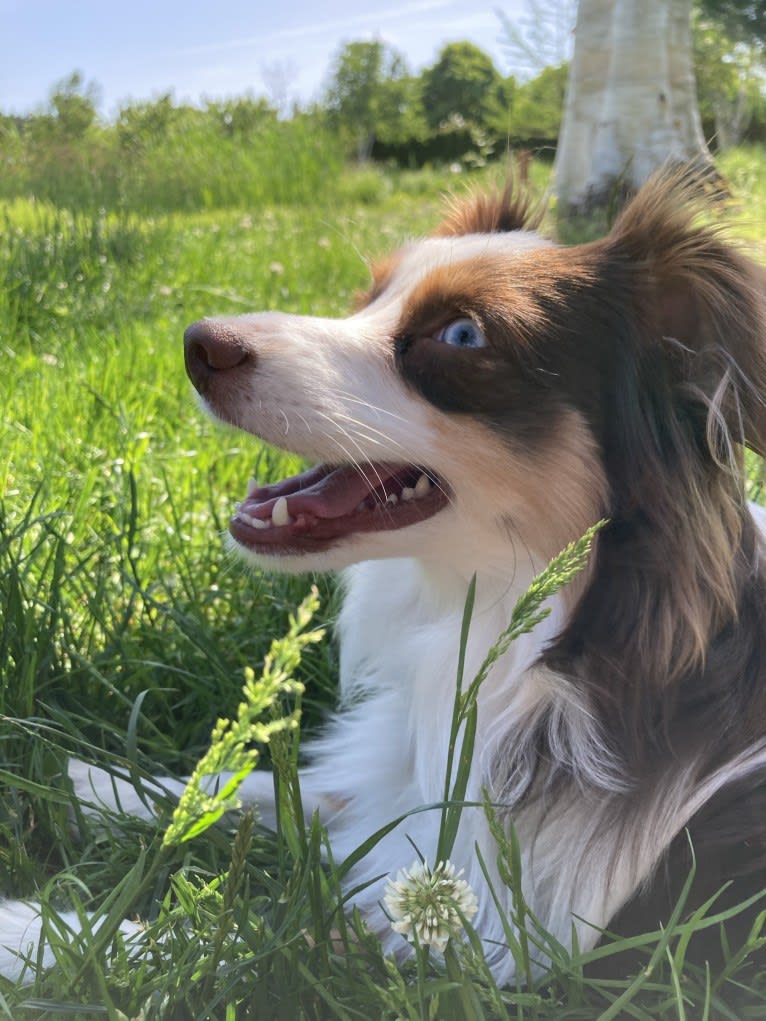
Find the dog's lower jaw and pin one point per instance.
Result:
(460, 540)
(341, 555)
(434, 541)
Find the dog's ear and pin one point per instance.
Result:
(705, 302)
(682, 317)
(491, 212)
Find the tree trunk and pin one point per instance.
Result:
(631, 101)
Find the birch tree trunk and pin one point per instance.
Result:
(631, 101)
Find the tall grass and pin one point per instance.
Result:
(190, 166)
(126, 629)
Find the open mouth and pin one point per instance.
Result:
(313, 510)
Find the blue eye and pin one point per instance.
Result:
(461, 333)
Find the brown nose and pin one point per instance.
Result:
(210, 348)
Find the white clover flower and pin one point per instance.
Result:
(427, 905)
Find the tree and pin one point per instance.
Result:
(400, 110)
(538, 105)
(743, 20)
(463, 83)
(730, 77)
(140, 125)
(539, 37)
(631, 101)
(243, 116)
(71, 109)
(357, 97)
(278, 77)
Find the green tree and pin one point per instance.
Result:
(743, 20)
(242, 116)
(400, 112)
(730, 79)
(463, 83)
(73, 105)
(539, 105)
(361, 96)
(140, 125)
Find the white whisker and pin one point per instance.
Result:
(366, 404)
(352, 461)
(349, 436)
(306, 422)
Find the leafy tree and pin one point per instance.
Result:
(743, 20)
(360, 95)
(400, 112)
(539, 105)
(463, 83)
(142, 124)
(73, 105)
(243, 116)
(730, 78)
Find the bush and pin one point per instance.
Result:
(162, 158)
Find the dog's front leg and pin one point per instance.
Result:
(100, 791)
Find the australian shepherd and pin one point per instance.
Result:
(492, 396)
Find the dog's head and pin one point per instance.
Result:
(496, 394)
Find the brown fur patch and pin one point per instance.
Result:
(382, 270)
(507, 294)
(684, 318)
(488, 212)
(708, 295)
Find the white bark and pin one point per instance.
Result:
(631, 100)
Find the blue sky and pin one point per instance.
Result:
(277, 47)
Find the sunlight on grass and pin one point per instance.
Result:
(126, 629)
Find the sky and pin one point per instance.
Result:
(278, 48)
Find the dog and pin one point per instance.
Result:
(492, 397)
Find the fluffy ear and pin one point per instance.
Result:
(707, 302)
(682, 315)
(488, 212)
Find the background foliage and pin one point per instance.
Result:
(158, 155)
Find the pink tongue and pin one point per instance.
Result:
(322, 492)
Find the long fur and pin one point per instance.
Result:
(619, 379)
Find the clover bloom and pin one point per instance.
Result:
(429, 905)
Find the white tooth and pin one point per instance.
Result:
(253, 522)
(422, 486)
(408, 494)
(252, 485)
(280, 515)
(392, 498)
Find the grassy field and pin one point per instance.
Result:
(125, 628)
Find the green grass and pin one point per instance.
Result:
(125, 627)
(187, 165)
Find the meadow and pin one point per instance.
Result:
(126, 628)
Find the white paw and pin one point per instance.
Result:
(21, 934)
(99, 790)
